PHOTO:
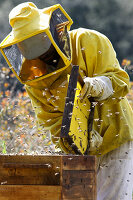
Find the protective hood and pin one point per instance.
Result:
(27, 21)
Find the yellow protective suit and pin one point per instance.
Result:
(94, 54)
(47, 85)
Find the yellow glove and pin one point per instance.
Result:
(98, 87)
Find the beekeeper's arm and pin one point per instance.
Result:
(105, 79)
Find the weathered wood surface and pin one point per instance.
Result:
(79, 178)
(31, 170)
(79, 163)
(48, 177)
(30, 192)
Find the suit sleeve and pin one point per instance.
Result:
(98, 58)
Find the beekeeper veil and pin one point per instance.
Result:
(36, 33)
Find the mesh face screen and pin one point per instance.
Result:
(28, 70)
(58, 17)
(59, 32)
(14, 56)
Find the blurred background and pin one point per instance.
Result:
(114, 18)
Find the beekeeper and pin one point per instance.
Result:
(41, 51)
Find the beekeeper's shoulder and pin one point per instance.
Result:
(89, 34)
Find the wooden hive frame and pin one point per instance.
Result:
(48, 177)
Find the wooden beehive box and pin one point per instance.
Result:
(47, 177)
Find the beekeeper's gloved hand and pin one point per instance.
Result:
(99, 87)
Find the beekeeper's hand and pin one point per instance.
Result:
(99, 87)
